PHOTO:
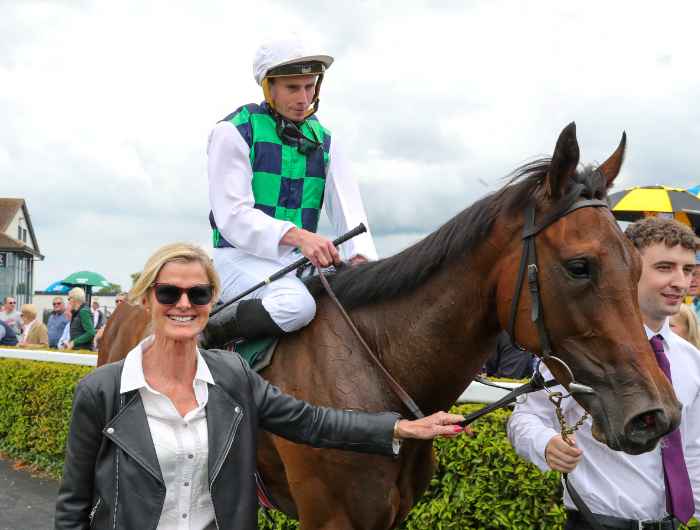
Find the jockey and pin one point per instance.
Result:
(271, 168)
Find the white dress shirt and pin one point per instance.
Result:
(181, 445)
(231, 199)
(612, 482)
(65, 336)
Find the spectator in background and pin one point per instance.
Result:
(685, 325)
(509, 361)
(35, 334)
(10, 316)
(98, 317)
(65, 336)
(82, 330)
(57, 322)
(694, 289)
(8, 337)
(120, 298)
(98, 320)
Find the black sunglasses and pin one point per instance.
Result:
(167, 294)
(290, 134)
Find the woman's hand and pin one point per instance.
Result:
(438, 424)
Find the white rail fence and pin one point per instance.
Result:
(475, 393)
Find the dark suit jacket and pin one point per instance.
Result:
(509, 361)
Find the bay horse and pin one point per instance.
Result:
(432, 314)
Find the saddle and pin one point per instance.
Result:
(257, 353)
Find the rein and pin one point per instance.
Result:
(393, 383)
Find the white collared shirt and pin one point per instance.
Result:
(181, 444)
(611, 482)
(231, 200)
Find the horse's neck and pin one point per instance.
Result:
(437, 338)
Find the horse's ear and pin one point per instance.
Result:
(564, 162)
(611, 167)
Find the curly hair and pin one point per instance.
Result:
(652, 230)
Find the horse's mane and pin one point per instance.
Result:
(403, 272)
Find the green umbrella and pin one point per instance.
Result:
(86, 278)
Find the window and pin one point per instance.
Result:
(19, 233)
(24, 235)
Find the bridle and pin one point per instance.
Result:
(528, 263)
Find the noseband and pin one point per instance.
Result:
(528, 263)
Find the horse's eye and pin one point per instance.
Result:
(578, 268)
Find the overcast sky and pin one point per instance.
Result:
(105, 107)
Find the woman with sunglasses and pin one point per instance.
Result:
(166, 438)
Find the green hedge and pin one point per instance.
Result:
(480, 482)
(35, 405)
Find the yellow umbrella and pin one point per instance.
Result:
(644, 201)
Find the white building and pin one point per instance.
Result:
(18, 251)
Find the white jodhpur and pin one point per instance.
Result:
(286, 300)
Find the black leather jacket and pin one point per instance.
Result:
(111, 476)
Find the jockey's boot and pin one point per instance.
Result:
(248, 320)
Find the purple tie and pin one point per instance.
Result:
(679, 494)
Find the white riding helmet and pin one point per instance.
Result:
(285, 57)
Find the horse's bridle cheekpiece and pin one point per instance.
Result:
(528, 262)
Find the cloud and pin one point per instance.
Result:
(105, 107)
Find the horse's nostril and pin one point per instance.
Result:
(640, 423)
(647, 426)
(648, 419)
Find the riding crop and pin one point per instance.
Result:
(301, 262)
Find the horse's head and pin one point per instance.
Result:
(588, 273)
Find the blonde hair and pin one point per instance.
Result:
(78, 294)
(691, 321)
(29, 309)
(173, 253)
